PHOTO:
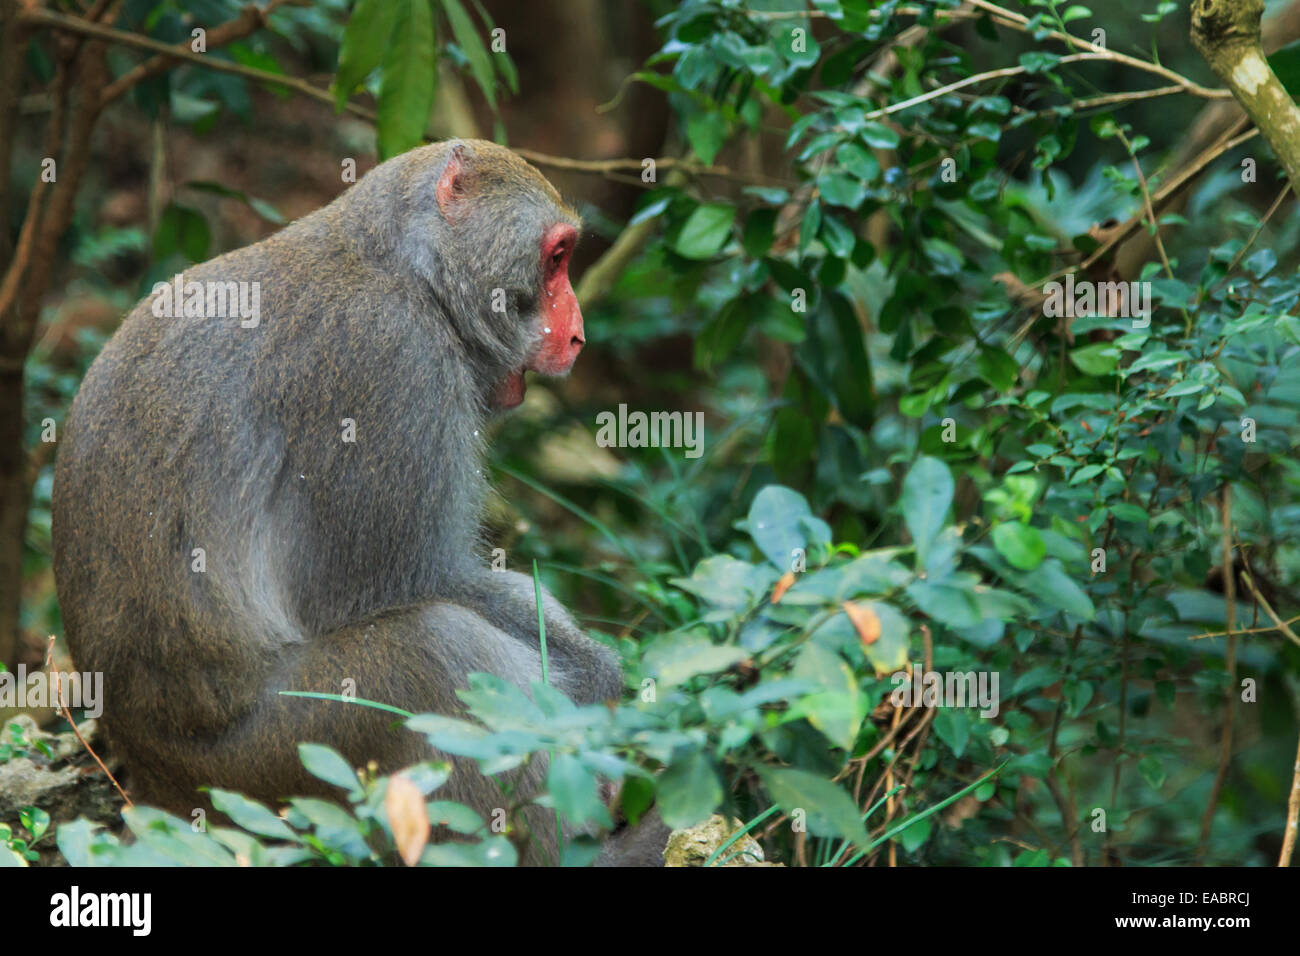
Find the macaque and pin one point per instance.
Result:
(290, 500)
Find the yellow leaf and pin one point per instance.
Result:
(864, 621)
(408, 816)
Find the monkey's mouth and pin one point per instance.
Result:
(510, 391)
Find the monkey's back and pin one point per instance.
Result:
(207, 503)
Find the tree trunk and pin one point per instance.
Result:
(14, 491)
(13, 476)
(1226, 34)
(1214, 122)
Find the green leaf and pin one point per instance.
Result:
(1078, 697)
(1086, 473)
(9, 858)
(259, 206)
(1186, 388)
(1021, 544)
(927, 495)
(760, 228)
(494, 851)
(471, 44)
(326, 764)
(1152, 771)
(74, 841)
(858, 161)
(323, 814)
(408, 80)
(574, 791)
(997, 368)
(799, 57)
(723, 582)
(365, 39)
(1098, 359)
(889, 653)
(251, 816)
(184, 229)
(1051, 585)
(706, 133)
(1161, 358)
(688, 791)
(1123, 511)
(454, 816)
(840, 190)
(500, 704)
(635, 797)
(705, 231)
(675, 658)
(839, 240)
(953, 605)
(1036, 61)
(36, 820)
(718, 339)
(914, 837)
(837, 710)
(780, 522)
(880, 136)
(952, 726)
(827, 809)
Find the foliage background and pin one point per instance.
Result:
(825, 428)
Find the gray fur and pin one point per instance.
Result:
(326, 561)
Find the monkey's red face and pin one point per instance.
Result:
(558, 314)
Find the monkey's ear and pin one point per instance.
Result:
(452, 182)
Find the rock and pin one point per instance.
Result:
(692, 846)
(53, 771)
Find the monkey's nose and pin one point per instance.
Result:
(577, 341)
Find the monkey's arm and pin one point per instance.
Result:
(584, 669)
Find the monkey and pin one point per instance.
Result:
(292, 500)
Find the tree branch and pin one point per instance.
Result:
(167, 54)
(1016, 21)
(1292, 816)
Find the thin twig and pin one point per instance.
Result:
(1005, 71)
(1015, 21)
(1146, 199)
(1065, 803)
(1292, 815)
(1229, 665)
(1244, 630)
(63, 709)
(1110, 99)
(169, 52)
(1167, 191)
(1259, 227)
(633, 165)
